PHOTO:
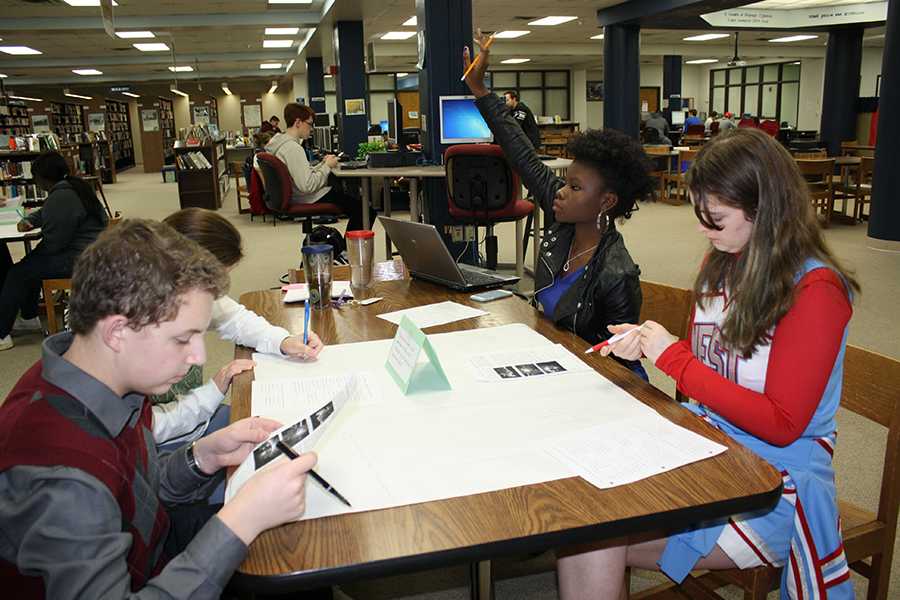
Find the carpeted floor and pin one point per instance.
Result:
(665, 243)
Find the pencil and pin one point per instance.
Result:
(612, 340)
(289, 452)
(487, 46)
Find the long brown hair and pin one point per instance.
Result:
(211, 230)
(749, 170)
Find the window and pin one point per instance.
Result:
(546, 93)
(765, 91)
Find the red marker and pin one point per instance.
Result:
(612, 340)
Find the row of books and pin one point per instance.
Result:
(29, 191)
(15, 169)
(32, 142)
(192, 161)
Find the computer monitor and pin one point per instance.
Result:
(677, 117)
(383, 125)
(322, 120)
(461, 122)
(395, 121)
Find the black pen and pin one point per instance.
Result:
(289, 452)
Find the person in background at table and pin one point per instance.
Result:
(524, 117)
(659, 123)
(70, 219)
(709, 120)
(769, 291)
(726, 122)
(271, 126)
(310, 184)
(692, 119)
(88, 508)
(260, 139)
(192, 413)
(585, 279)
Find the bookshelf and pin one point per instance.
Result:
(157, 133)
(14, 117)
(66, 121)
(118, 132)
(16, 178)
(97, 159)
(201, 175)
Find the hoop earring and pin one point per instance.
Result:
(602, 221)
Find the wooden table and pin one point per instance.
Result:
(846, 164)
(477, 528)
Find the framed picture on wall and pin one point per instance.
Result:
(354, 106)
(594, 91)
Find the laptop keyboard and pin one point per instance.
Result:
(479, 278)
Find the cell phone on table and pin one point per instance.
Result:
(490, 295)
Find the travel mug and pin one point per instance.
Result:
(361, 248)
(317, 269)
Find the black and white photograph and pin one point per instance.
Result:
(551, 367)
(529, 370)
(265, 454)
(507, 372)
(296, 433)
(594, 91)
(321, 415)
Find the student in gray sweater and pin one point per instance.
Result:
(70, 220)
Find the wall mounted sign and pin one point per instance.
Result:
(150, 120)
(798, 17)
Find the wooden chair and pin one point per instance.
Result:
(685, 157)
(670, 307)
(819, 177)
(811, 155)
(862, 192)
(872, 390)
(55, 289)
(657, 154)
(237, 171)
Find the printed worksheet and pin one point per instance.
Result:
(522, 365)
(431, 315)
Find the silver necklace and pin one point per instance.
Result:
(571, 258)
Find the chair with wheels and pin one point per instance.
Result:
(277, 190)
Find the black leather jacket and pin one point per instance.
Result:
(609, 292)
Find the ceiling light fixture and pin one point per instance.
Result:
(327, 76)
(82, 3)
(174, 89)
(515, 61)
(225, 89)
(411, 22)
(22, 50)
(274, 87)
(701, 61)
(794, 38)
(282, 30)
(3, 75)
(289, 65)
(183, 69)
(87, 72)
(270, 65)
(402, 74)
(134, 35)
(290, 1)
(278, 43)
(71, 95)
(130, 95)
(599, 36)
(796, 62)
(511, 34)
(152, 47)
(28, 98)
(398, 35)
(706, 37)
(549, 21)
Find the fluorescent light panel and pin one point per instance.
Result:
(411, 22)
(549, 21)
(515, 61)
(183, 69)
(599, 36)
(152, 47)
(289, 65)
(701, 61)
(3, 75)
(270, 65)
(274, 87)
(27, 98)
(19, 50)
(175, 90)
(398, 35)
(402, 74)
(71, 95)
(278, 43)
(511, 34)
(134, 35)
(225, 89)
(290, 1)
(327, 76)
(130, 95)
(80, 3)
(87, 72)
(282, 30)
(794, 38)
(706, 37)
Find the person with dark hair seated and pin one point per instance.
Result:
(71, 218)
(585, 279)
(271, 126)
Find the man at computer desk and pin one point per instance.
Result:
(585, 279)
(310, 183)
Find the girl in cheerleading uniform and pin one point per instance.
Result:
(764, 362)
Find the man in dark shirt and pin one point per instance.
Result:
(271, 125)
(523, 115)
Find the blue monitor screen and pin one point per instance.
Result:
(384, 126)
(461, 122)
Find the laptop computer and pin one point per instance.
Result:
(427, 258)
